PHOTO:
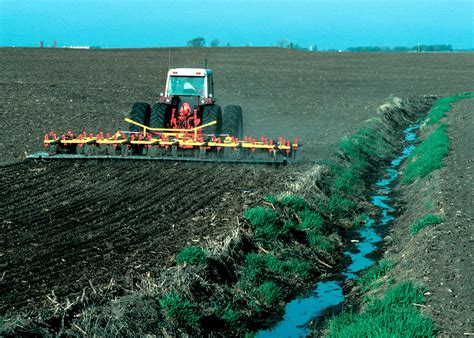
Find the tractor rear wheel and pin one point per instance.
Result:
(212, 113)
(158, 115)
(140, 113)
(232, 123)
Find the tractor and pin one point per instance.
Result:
(184, 124)
(189, 102)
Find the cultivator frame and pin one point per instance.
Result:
(167, 144)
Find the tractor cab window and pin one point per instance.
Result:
(187, 85)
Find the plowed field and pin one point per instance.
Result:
(64, 224)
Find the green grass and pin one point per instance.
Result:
(269, 293)
(347, 182)
(395, 315)
(424, 222)
(266, 225)
(443, 105)
(311, 220)
(192, 255)
(428, 156)
(261, 216)
(266, 279)
(338, 207)
(258, 265)
(360, 148)
(318, 241)
(228, 313)
(179, 310)
(294, 202)
(368, 280)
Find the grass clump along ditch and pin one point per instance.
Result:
(443, 105)
(193, 255)
(389, 311)
(370, 279)
(424, 222)
(395, 314)
(429, 155)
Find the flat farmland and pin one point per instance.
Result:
(318, 97)
(66, 225)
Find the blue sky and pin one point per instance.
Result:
(328, 24)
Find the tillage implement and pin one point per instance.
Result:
(185, 124)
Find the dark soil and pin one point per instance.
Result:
(65, 224)
(318, 97)
(448, 264)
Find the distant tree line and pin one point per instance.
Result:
(199, 42)
(418, 48)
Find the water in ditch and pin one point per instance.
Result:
(328, 293)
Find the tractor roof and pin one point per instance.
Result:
(189, 72)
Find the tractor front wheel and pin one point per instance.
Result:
(140, 113)
(212, 113)
(233, 122)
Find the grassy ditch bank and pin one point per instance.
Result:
(278, 251)
(390, 299)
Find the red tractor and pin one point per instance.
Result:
(189, 102)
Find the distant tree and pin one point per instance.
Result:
(215, 43)
(197, 42)
(292, 45)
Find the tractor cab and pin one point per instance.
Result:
(189, 82)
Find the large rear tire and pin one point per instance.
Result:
(232, 123)
(140, 113)
(212, 113)
(158, 115)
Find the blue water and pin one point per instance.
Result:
(300, 312)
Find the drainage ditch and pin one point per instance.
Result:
(327, 294)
